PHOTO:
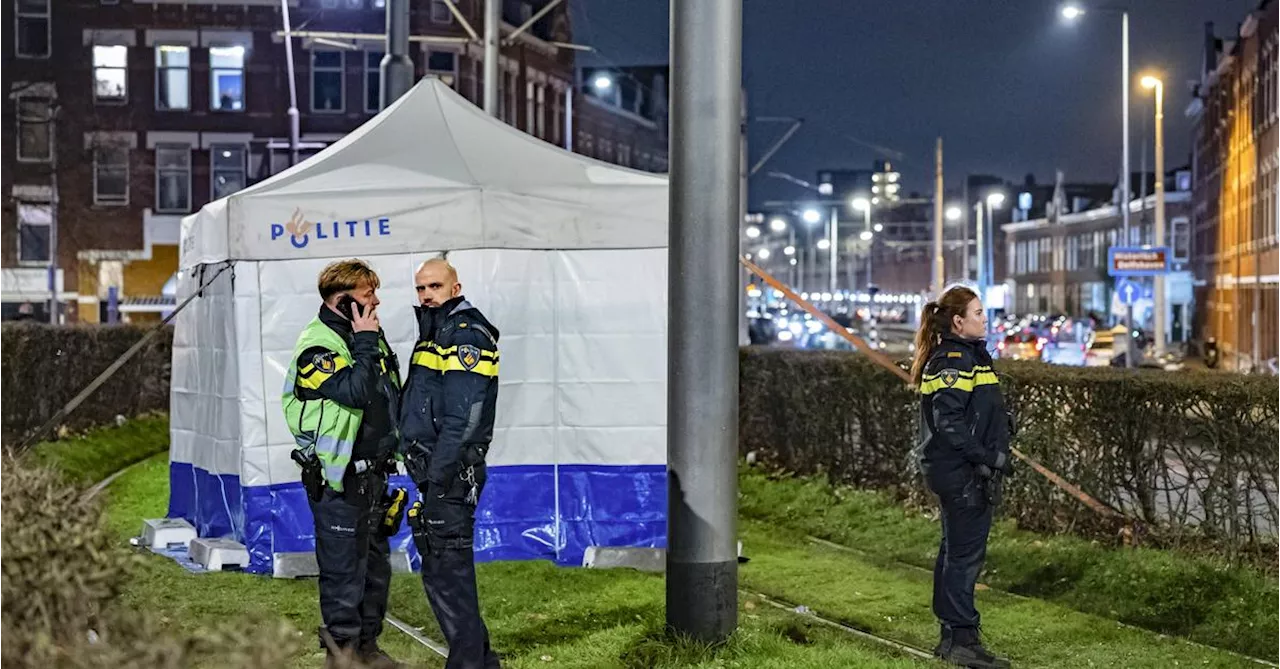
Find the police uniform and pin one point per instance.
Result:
(965, 451)
(341, 400)
(447, 419)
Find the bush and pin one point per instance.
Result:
(62, 575)
(1191, 456)
(44, 366)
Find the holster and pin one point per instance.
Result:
(312, 474)
(993, 489)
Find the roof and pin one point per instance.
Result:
(432, 172)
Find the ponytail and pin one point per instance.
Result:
(935, 321)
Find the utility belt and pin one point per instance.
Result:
(364, 479)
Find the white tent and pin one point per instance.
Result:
(567, 257)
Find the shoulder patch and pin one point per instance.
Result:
(462, 324)
(324, 362)
(949, 376)
(955, 354)
(469, 356)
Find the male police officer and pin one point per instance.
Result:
(341, 401)
(447, 418)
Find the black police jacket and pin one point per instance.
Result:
(963, 416)
(450, 395)
(370, 381)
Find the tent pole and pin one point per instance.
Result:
(702, 351)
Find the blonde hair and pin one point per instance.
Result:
(344, 275)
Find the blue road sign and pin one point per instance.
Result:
(1148, 291)
(1128, 291)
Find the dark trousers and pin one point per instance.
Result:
(443, 536)
(966, 522)
(354, 561)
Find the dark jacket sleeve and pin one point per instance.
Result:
(949, 380)
(466, 385)
(328, 375)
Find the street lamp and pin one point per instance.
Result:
(811, 216)
(778, 224)
(1152, 83)
(866, 235)
(824, 244)
(878, 227)
(763, 254)
(789, 250)
(861, 203)
(1072, 12)
(954, 213)
(753, 232)
(602, 82)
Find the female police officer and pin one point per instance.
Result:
(965, 452)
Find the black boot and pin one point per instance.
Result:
(944, 636)
(338, 653)
(374, 657)
(965, 649)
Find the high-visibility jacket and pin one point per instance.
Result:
(332, 386)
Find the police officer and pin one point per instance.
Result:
(341, 400)
(965, 454)
(447, 419)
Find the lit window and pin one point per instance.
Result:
(326, 82)
(228, 169)
(35, 126)
(372, 81)
(110, 73)
(226, 73)
(34, 222)
(173, 178)
(173, 77)
(33, 28)
(111, 175)
(440, 13)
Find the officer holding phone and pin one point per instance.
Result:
(341, 402)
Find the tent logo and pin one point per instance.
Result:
(301, 231)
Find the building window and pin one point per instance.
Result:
(173, 178)
(110, 73)
(34, 222)
(440, 13)
(32, 28)
(510, 95)
(173, 77)
(228, 169)
(226, 73)
(35, 130)
(111, 175)
(372, 81)
(528, 107)
(326, 82)
(443, 64)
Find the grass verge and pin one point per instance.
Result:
(88, 458)
(1203, 599)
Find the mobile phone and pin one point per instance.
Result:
(344, 306)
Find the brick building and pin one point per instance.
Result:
(130, 114)
(1235, 194)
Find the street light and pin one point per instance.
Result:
(602, 82)
(778, 224)
(789, 250)
(824, 244)
(812, 216)
(1072, 12)
(866, 235)
(753, 232)
(954, 213)
(878, 227)
(763, 254)
(994, 200)
(1150, 82)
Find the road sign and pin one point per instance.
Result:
(1138, 260)
(1128, 291)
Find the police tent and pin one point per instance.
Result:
(565, 254)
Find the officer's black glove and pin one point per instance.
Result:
(1013, 425)
(984, 472)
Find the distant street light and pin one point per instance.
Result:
(753, 232)
(994, 200)
(867, 235)
(778, 224)
(602, 82)
(812, 216)
(878, 227)
(824, 244)
(954, 213)
(763, 253)
(790, 251)
(1072, 12)
(860, 203)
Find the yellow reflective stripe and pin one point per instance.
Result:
(451, 363)
(934, 385)
(986, 379)
(445, 352)
(310, 378)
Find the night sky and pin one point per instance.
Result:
(1010, 87)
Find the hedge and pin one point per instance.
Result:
(1191, 457)
(42, 367)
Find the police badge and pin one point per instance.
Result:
(324, 362)
(949, 377)
(469, 356)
